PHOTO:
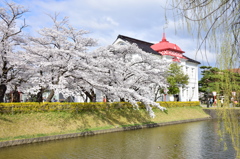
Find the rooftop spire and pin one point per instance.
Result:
(164, 37)
(164, 45)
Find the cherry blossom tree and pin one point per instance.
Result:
(11, 36)
(126, 73)
(22, 74)
(121, 73)
(55, 54)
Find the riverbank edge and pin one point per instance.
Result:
(89, 133)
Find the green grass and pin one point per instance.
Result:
(22, 126)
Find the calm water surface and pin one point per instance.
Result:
(197, 140)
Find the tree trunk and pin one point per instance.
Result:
(94, 98)
(15, 96)
(3, 89)
(91, 95)
(86, 99)
(122, 100)
(156, 94)
(39, 97)
(49, 98)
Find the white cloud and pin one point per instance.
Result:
(111, 21)
(106, 19)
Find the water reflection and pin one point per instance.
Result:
(197, 140)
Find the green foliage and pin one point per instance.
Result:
(176, 77)
(218, 80)
(220, 35)
(178, 104)
(210, 79)
(30, 107)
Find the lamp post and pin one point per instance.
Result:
(165, 93)
(214, 97)
(233, 99)
(207, 97)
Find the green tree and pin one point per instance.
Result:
(176, 78)
(216, 25)
(210, 80)
(215, 79)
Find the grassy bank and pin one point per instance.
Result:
(21, 126)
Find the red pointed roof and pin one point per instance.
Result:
(165, 45)
(146, 46)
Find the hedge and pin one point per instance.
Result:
(29, 107)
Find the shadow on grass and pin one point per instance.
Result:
(117, 116)
(4, 119)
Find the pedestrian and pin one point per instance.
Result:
(54, 100)
(221, 102)
(211, 101)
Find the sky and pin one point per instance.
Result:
(105, 19)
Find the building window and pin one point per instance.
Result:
(193, 72)
(121, 43)
(186, 70)
(183, 92)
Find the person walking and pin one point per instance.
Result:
(211, 101)
(221, 102)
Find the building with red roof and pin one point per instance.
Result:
(171, 52)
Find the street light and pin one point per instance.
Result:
(233, 98)
(165, 93)
(207, 97)
(214, 97)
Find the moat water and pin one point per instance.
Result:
(195, 140)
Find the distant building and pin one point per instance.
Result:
(235, 70)
(171, 52)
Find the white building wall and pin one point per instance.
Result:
(190, 92)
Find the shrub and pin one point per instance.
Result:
(28, 107)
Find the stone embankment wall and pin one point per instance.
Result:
(214, 114)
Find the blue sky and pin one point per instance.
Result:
(106, 19)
